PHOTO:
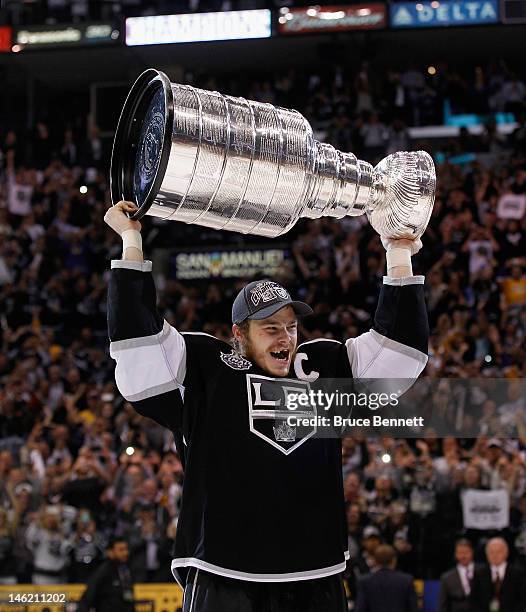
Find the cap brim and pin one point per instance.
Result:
(300, 308)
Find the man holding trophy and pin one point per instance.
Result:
(262, 524)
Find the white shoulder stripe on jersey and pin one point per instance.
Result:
(373, 355)
(153, 391)
(238, 575)
(392, 364)
(132, 343)
(157, 364)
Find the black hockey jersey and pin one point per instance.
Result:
(257, 503)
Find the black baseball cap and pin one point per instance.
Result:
(261, 299)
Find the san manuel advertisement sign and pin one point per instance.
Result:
(439, 14)
(231, 263)
(337, 18)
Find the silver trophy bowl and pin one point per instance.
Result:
(185, 154)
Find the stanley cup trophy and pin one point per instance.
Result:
(186, 154)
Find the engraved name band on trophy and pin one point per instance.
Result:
(186, 154)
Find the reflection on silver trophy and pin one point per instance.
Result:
(186, 154)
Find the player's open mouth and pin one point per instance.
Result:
(281, 355)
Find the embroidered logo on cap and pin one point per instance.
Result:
(267, 291)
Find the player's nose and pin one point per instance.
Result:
(283, 338)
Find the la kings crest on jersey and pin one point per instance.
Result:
(269, 411)
(263, 400)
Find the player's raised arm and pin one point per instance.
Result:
(150, 353)
(396, 346)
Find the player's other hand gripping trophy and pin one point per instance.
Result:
(186, 154)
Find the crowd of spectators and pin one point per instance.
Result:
(78, 465)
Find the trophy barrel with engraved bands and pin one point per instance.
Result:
(185, 154)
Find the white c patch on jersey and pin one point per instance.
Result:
(298, 368)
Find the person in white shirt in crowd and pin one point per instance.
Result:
(50, 547)
(20, 186)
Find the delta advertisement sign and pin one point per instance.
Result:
(438, 14)
(337, 18)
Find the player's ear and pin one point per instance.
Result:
(236, 332)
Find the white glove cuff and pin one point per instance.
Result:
(131, 238)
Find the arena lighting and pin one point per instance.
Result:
(312, 12)
(432, 70)
(83, 189)
(435, 4)
(488, 359)
(288, 17)
(198, 27)
(333, 15)
(419, 7)
(16, 48)
(386, 458)
(130, 450)
(364, 12)
(284, 10)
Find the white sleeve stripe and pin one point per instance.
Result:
(394, 345)
(129, 264)
(151, 367)
(373, 355)
(131, 343)
(404, 280)
(153, 391)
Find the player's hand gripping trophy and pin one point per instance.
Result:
(186, 154)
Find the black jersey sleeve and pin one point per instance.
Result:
(149, 353)
(395, 347)
(155, 364)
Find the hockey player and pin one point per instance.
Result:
(262, 525)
